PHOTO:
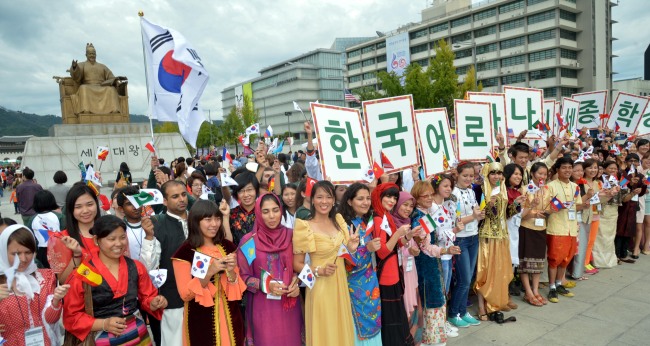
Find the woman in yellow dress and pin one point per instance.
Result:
(328, 312)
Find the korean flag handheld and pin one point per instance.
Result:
(307, 276)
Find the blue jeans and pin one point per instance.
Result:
(465, 265)
(446, 274)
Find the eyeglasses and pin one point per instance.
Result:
(633, 160)
(249, 190)
(496, 172)
(429, 195)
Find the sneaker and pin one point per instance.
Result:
(449, 327)
(569, 284)
(552, 296)
(451, 334)
(563, 291)
(470, 319)
(458, 322)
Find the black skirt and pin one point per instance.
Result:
(394, 322)
(532, 250)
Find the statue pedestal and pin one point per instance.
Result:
(71, 144)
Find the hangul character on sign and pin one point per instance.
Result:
(134, 149)
(474, 130)
(340, 145)
(626, 112)
(588, 112)
(393, 131)
(436, 138)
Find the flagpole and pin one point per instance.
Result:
(146, 75)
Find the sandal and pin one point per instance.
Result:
(483, 317)
(582, 278)
(541, 299)
(533, 301)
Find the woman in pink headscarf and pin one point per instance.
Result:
(276, 315)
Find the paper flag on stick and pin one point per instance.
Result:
(427, 223)
(146, 197)
(345, 254)
(248, 249)
(265, 281)
(200, 265)
(307, 276)
(385, 226)
(102, 153)
(158, 277)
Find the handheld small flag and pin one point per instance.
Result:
(378, 171)
(102, 153)
(577, 193)
(532, 188)
(271, 184)
(511, 133)
(369, 176)
(265, 281)
(595, 199)
(89, 274)
(632, 169)
(445, 162)
(458, 209)
(253, 129)
(556, 204)
(307, 276)
(92, 187)
(200, 265)
(225, 156)
(248, 249)
(603, 116)
(205, 192)
(92, 176)
(345, 254)
(310, 184)
(385, 162)
(296, 106)
(488, 158)
(146, 197)
(269, 132)
(226, 180)
(617, 127)
(427, 223)
(385, 226)
(150, 147)
(482, 205)
(158, 277)
(623, 183)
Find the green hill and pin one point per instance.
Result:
(17, 123)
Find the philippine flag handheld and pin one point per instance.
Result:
(200, 265)
(176, 79)
(345, 254)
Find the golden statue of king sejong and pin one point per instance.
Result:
(92, 94)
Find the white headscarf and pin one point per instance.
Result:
(25, 282)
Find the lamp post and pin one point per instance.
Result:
(473, 46)
(288, 114)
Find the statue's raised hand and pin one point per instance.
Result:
(74, 64)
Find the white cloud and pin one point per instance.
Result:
(234, 38)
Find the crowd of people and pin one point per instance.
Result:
(84, 268)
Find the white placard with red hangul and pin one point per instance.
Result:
(435, 140)
(344, 157)
(390, 124)
(592, 105)
(498, 102)
(627, 111)
(474, 137)
(524, 108)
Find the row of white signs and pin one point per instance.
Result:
(348, 149)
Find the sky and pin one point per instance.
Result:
(235, 39)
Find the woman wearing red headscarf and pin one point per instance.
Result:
(394, 324)
(275, 316)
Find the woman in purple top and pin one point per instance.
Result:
(275, 316)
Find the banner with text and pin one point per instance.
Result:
(627, 111)
(592, 105)
(498, 102)
(570, 109)
(342, 147)
(474, 136)
(524, 109)
(398, 54)
(390, 123)
(435, 141)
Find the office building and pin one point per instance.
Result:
(316, 75)
(560, 46)
(637, 86)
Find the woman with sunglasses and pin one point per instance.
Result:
(494, 267)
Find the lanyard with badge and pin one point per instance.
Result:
(570, 205)
(34, 334)
(540, 222)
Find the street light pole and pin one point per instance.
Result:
(474, 60)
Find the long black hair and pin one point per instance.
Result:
(200, 210)
(509, 170)
(328, 187)
(346, 210)
(77, 190)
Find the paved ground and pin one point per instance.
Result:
(611, 308)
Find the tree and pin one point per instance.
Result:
(391, 83)
(248, 114)
(469, 84)
(206, 136)
(166, 127)
(417, 83)
(231, 128)
(441, 71)
(367, 93)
